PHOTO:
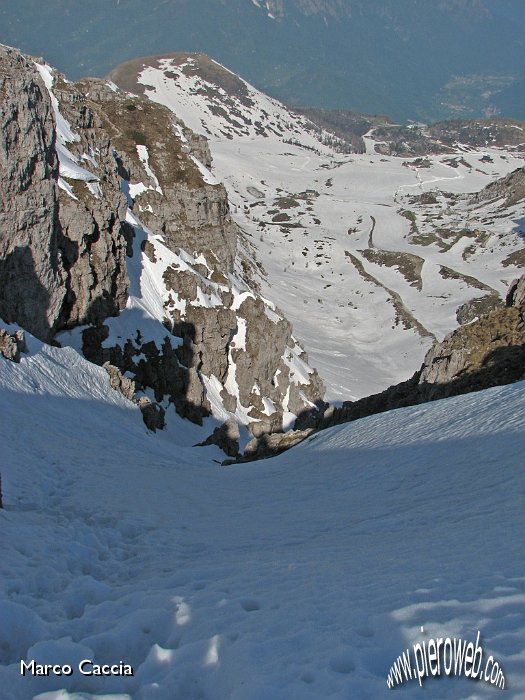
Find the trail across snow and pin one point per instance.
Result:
(302, 577)
(432, 180)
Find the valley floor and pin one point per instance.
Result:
(356, 265)
(300, 577)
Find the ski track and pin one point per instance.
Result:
(420, 182)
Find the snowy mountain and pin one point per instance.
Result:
(137, 291)
(369, 256)
(132, 258)
(424, 60)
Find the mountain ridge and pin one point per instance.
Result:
(334, 230)
(165, 301)
(424, 61)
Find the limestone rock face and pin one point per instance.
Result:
(480, 306)
(516, 293)
(32, 274)
(119, 382)
(270, 445)
(510, 189)
(198, 220)
(491, 353)
(160, 161)
(62, 255)
(486, 352)
(93, 220)
(223, 343)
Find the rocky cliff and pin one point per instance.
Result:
(62, 258)
(94, 173)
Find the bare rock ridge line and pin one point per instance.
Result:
(112, 224)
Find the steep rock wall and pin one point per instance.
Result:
(62, 255)
(32, 274)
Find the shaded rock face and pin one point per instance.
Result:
(32, 275)
(94, 224)
(160, 369)
(226, 437)
(152, 413)
(243, 352)
(61, 258)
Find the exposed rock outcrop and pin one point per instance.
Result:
(516, 293)
(226, 436)
(93, 220)
(119, 382)
(152, 414)
(61, 254)
(32, 275)
(220, 336)
(510, 188)
(160, 160)
(477, 307)
(12, 344)
(487, 352)
(271, 445)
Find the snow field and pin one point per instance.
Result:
(304, 576)
(349, 327)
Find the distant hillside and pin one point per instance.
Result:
(426, 61)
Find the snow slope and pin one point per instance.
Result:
(302, 577)
(333, 235)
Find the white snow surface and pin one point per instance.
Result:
(301, 577)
